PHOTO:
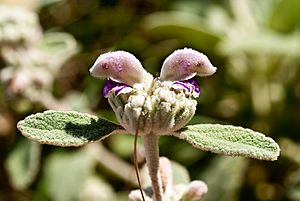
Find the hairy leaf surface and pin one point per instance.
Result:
(66, 128)
(230, 140)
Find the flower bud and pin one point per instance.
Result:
(135, 195)
(122, 67)
(184, 64)
(195, 191)
(166, 174)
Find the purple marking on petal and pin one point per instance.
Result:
(190, 85)
(112, 85)
(194, 84)
(183, 85)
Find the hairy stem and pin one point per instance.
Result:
(150, 142)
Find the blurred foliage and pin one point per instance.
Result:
(47, 47)
(233, 176)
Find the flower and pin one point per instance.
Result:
(161, 105)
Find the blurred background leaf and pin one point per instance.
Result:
(23, 163)
(224, 176)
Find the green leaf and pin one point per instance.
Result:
(186, 26)
(285, 15)
(66, 128)
(263, 43)
(65, 173)
(224, 176)
(293, 185)
(58, 44)
(230, 140)
(23, 163)
(94, 188)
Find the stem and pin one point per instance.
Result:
(136, 164)
(150, 142)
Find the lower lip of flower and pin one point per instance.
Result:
(117, 87)
(191, 86)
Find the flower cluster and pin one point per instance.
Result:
(152, 105)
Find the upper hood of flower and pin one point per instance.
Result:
(123, 67)
(120, 66)
(184, 64)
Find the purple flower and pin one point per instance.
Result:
(161, 105)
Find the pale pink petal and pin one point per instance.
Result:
(184, 64)
(120, 66)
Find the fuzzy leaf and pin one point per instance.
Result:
(230, 140)
(66, 128)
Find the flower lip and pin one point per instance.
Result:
(118, 87)
(184, 64)
(191, 85)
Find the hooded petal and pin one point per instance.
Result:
(120, 66)
(184, 64)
